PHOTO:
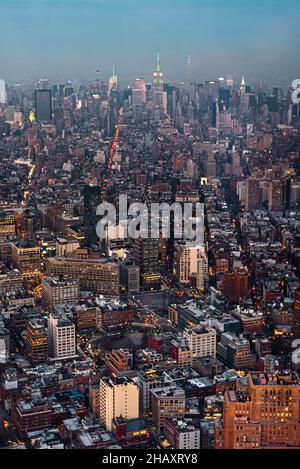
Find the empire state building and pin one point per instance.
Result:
(158, 85)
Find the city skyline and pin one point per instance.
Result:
(63, 41)
(149, 228)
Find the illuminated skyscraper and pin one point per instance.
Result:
(112, 82)
(243, 94)
(158, 84)
(138, 92)
(138, 97)
(229, 82)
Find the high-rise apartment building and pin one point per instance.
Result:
(62, 339)
(119, 396)
(192, 263)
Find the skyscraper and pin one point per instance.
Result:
(147, 258)
(158, 84)
(112, 82)
(91, 200)
(138, 97)
(243, 94)
(192, 262)
(43, 105)
(252, 194)
(62, 338)
(36, 341)
(216, 115)
(3, 95)
(229, 82)
(276, 196)
(42, 84)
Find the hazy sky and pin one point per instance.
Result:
(69, 39)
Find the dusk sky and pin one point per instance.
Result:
(69, 39)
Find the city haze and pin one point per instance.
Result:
(71, 39)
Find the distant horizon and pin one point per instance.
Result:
(70, 39)
(123, 83)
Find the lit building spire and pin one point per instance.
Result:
(157, 62)
(113, 81)
(158, 77)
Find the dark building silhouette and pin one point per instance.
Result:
(91, 200)
(147, 258)
(43, 105)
